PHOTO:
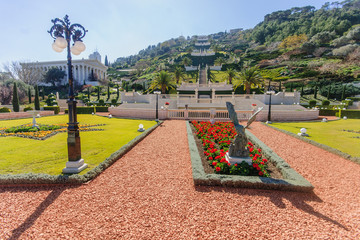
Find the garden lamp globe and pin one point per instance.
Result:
(56, 48)
(74, 51)
(61, 42)
(79, 46)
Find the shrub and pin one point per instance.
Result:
(345, 50)
(325, 103)
(5, 110)
(312, 103)
(327, 112)
(114, 102)
(101, 102)
(28, 109)
(56, 109)
(353, 114)
(348, 102)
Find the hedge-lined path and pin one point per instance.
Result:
(149, 194)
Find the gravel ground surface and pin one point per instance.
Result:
(149, 194)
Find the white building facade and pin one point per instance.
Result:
(82, 69)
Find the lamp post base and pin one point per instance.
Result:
(75, 166)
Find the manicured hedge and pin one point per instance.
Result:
(101, 109)
(90, 110)
(327, 112)
(353, 114)
(56, 109)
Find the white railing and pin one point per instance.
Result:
(176, 114)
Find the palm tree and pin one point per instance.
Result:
(162, 81)
(230, 74)
(210, 75)
(219, 61)
(178, 73)
(216, 48)
(249, 76)
(186, 61)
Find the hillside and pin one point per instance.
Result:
(299, 46)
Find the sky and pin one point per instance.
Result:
(119, 28)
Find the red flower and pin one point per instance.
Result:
(218, 169)
(262, 163)
(167, 103)
(251, 149)
(214, 163)
(261, 173)
(258, 168)
(210, 158)
(264, 160)
(235, 164)
(255, 165)
(229, 164)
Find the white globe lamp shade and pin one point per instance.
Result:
(56, 48)
(74, 51)
(303, 130)
(61, 42)
(79, 46)
(141, 126)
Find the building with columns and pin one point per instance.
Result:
(82, 69)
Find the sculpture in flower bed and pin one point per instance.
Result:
(216, 139)
(42, 131)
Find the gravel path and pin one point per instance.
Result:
(149, 194)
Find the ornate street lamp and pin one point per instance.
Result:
(62, 31)
(157, 105)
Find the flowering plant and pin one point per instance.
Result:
(167, 103)
(216, 139)
(254, 105)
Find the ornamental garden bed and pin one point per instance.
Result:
(210, 167)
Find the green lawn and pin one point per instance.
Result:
(330, 133)
(23, 155)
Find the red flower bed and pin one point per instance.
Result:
(216, 139)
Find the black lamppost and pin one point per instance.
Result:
(269, 112)
(75, 31)
(157, 105)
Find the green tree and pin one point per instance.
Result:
(54, 75)
(230, 74)
(328, 93)
(162, 81)
(98, 93)
(280, 86)
(186, 61)
(29, 94)
(108, 92)
(315, 91)
(88, 93)
(106, 61)
(219, 61)
(178, 73)
(36, 100)
(210, 75)
(117, 92)
(43, 93)
(343, 92)
(249, 76)
(15, 100)
(302, 91)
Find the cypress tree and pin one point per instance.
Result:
(343, 92)
(108, 93)
(43, 93)
(15, 100)
(106, 61)
(280, 86)
(302, 90)
(98, 93)
(37, 101)
(328, 93)
(88, 93)
(291, 87)
(117, 93)
(29, 93)
(315, 92)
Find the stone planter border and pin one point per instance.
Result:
(292, 181)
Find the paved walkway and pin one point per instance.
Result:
(149, 194)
